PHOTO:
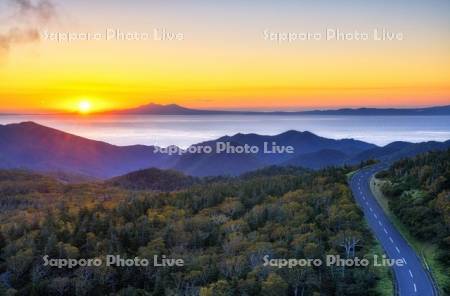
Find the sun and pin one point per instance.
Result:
(84, 107)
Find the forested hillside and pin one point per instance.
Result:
(154, 179)
(419, 194)
(222, 229)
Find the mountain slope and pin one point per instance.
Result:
(153, 179)
(35, 147)
(214, 228)
(234, 164)
(40, 148)
(216, 164)
(303, 142)
(398, 150)
(319, 159)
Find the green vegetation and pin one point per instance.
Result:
(384, 286)
(154, 179)
(416, 195)
(221, 228)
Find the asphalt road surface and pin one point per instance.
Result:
(412, 278)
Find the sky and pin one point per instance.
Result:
(225, 55)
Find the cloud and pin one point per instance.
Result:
(29, 17)
(42, 11)
(17, 36)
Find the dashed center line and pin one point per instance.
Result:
(385, 231)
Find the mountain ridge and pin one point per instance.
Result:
(32, 146)
(174, 109)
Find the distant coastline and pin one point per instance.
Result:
(174, 109)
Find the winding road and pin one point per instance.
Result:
(412, 278)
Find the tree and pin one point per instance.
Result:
(349, 240)
(2, 241)
(20, 263)
(296, 278)
(60, 285)
(274, 285)
(219, 288)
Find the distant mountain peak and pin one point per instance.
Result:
(296, 133)
(174, 109)
(23, 123)
(160, 109)
(155, 105)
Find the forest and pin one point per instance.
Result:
(222, 228)
(419, 195)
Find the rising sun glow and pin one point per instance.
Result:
(84, 107)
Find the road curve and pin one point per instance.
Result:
(412, 279)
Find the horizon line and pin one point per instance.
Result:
(255, 110)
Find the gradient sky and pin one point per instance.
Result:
(223, 62)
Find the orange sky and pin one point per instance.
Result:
(220, 64)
